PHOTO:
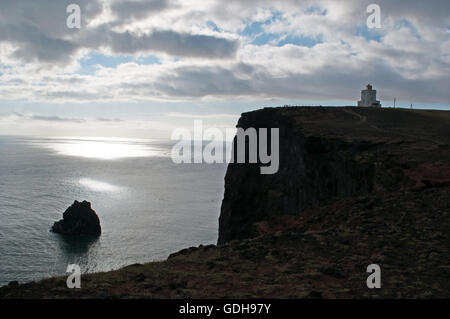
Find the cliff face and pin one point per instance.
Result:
(328, 153)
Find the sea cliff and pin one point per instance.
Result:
(355, 187)
(334, 153)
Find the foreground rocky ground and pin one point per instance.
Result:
(378, 192)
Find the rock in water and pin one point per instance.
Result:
(78, 219)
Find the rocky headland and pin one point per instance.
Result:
(355, 186)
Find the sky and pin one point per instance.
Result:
(140, 68)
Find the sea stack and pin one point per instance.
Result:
(78, 219)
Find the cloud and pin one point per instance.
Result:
(28, 124)
(55, 119)
(132, 10)
(33, 44)
(38, 30)
(15, 116)
(39, 33)
(47, 16)
(196, 81)
(202, 116)
(163, 41)
(101, 119)
(207, 50)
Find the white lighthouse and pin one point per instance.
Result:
(369, 98)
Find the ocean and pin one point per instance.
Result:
(148, 206)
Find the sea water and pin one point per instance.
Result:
(148, 206)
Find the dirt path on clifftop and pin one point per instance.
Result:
(363, 119)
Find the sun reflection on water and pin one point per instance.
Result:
(105, 149)
(99, 186)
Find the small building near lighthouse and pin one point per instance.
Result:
(369, 98)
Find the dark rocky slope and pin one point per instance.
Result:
(355, 187)
(329, 153)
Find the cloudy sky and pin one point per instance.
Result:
(142, 67)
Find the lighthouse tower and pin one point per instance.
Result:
(369, 98)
